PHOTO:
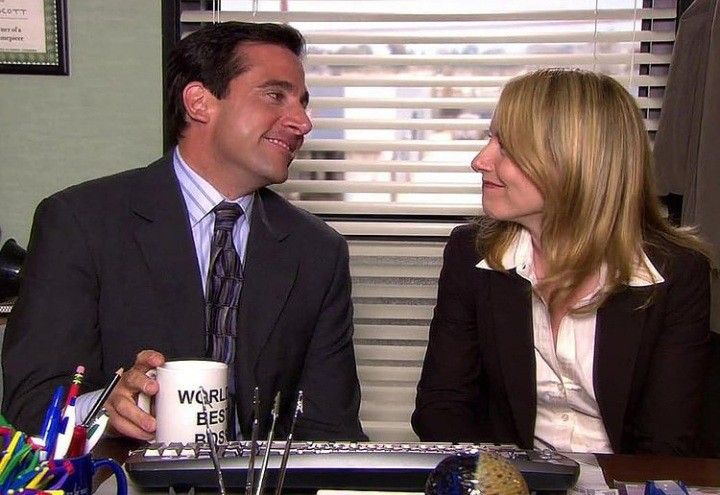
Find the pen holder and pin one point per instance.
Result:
(80, 482)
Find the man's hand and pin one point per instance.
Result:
(125, 416)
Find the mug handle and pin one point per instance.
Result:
(143, 401)
(117, 470)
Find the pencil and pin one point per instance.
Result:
(74, 389)
(101, 400)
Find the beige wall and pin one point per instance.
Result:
(105, 117)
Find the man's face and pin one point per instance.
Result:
(260, 123)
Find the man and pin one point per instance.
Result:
(117, 270)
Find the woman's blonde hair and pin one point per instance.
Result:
(580, 138)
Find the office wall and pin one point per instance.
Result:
(105, 117)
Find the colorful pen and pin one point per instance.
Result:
(16, 439)
(53, 414)
(65, 432)
(11, 470)
(21, 479)
(35, 482)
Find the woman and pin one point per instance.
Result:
(572, 315)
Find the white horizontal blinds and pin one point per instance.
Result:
(401, 90)
(394, 291)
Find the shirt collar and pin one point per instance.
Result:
(200, 196)
(518, 256)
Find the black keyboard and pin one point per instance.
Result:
(354, 466)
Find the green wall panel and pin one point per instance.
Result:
(105, 117)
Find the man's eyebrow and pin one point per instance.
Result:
(287, 86)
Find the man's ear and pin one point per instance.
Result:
(198, 101)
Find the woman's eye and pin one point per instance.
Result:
(491, 135)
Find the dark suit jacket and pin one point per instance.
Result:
(478, 379)
(112, 270)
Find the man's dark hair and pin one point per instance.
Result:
(210, 56)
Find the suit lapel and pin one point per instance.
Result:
(513, 334)
(617, 340)
(165, 240)
(269, 274)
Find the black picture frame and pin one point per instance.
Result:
(14, 19)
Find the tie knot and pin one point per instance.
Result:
(226, 214)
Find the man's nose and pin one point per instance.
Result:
(299, 120)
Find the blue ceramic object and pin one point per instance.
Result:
(475, 474)
(84, 467)
(455, 475)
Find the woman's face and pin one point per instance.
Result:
(507, 193)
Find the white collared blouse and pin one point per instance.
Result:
(567, 416)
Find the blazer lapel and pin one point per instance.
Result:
(617, 340)
(514, 337)
(269, 274)
(165, 240)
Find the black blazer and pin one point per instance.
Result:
(478, 378)
(111, 270)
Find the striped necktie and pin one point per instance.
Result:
(223, 286)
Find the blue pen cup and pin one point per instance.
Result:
(80, 482)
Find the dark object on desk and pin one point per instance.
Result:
(360, 465)
(476, 474)
(11, 260)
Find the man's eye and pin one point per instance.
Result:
(275, 95)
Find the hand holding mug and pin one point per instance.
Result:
(192, 399)
(126, 417)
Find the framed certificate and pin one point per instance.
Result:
(33, 37)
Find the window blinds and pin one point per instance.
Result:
(402, 90)
(394, 290)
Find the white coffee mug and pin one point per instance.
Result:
(178, 407)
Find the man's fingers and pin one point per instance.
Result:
(126, 428)
(128, 419)
(136, 381)
(130, 411)
(148, 359)
(125, 416)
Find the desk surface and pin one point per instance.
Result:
(695, 472)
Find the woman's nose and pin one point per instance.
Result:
(482, 161)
